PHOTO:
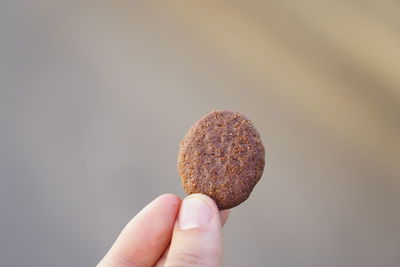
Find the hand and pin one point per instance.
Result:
(171, 232)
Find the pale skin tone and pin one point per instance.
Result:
(171, 232)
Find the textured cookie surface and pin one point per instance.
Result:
(221, 156)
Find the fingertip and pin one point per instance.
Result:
(210, 202)
(224, 214)
(168, 196)
(169, 199)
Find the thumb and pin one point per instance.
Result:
(197, 236)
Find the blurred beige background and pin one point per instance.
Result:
(96, 95)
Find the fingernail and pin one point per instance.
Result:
(194, 212)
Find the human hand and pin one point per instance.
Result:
(171, 232)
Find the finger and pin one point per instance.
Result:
(224, 214)
(197, 237)
(145, 237)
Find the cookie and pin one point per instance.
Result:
(223, 157)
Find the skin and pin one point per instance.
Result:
(158, 236)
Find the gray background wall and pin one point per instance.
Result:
(96, 95)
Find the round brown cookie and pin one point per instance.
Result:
(221, 156)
